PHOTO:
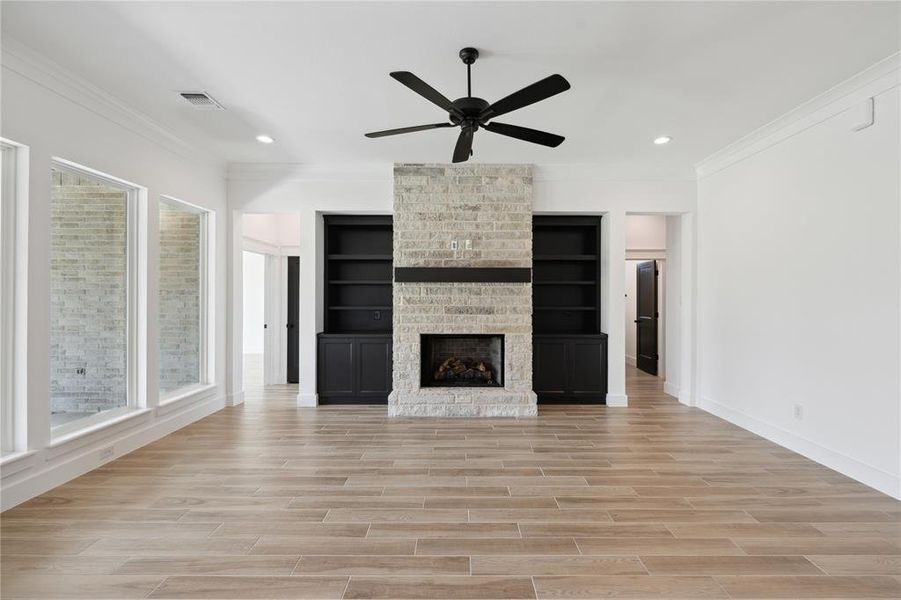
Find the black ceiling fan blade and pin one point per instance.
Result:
(463, 150)
(387, 132)
(524, 133)
(538, 91)
(426, 91)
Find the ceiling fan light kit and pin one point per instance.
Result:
(472, 113)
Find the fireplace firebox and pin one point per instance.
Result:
(467, 360)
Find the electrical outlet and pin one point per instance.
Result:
(454, 245)
(81, 371)
(799, 412)
(106, 453)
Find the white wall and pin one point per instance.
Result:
(645, 233)
(368, 189)
(254, 302)
(276, 229)
(798, 282)
(57, 116)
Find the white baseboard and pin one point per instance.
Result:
(631, 361)
(47, 472)
(846, 465)
(307, 400)
(671, 389)
(617, 400)
(235, 399)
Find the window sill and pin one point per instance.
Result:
(16, 462)
(67, 438)
(200, 391)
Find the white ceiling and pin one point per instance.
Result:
(315, 75)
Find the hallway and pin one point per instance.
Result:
(269, 501)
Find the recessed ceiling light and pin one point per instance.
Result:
(663, 139)
(267, 139)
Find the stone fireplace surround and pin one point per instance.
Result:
(490, 205)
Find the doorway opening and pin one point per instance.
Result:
(271, 282)
(254, 318)
(646, 255)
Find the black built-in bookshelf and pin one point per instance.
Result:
(355, 348)
(569, 349)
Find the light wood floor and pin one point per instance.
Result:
(268, 501)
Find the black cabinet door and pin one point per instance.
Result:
(570, 369)
(373, 367)
(354, 369)
(550, 370)
(336, 366)
(588, 379)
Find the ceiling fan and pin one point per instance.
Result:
(471, 113)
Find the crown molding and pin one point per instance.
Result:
(310, 172)
(37, 68)
(383, 172)
(872, 81)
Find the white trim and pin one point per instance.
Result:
(136, 308)
(87, 427)
(207, 297)
(631, 361)
(250, 244)
(14, 272)
(307, 400)
(39, 69)
(235, 399)
(645, 254)
(874, 477)
(617, 400)
(14, 288)
(95, 451)
(17, 463)
(875, 80)
(671, 389)
(188, 393)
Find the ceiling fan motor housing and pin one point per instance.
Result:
(471, 107)
(469, 55)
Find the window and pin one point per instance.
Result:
(92, 297)
(8, 212)
(183, 296)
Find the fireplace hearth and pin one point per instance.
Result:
(450, 360)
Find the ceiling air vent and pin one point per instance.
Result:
(201, 101)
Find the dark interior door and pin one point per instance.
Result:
(293, 315)
(646, 313)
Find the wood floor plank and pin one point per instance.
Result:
(210, 565)
(858, 564)
(470, 587)
(294, 545)
(729, 565)
(650, 546)
(443, 530)
(535, 546)
(811, 587)
(250, 588)
(557, 565)
(627, 586)
(401, 566)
